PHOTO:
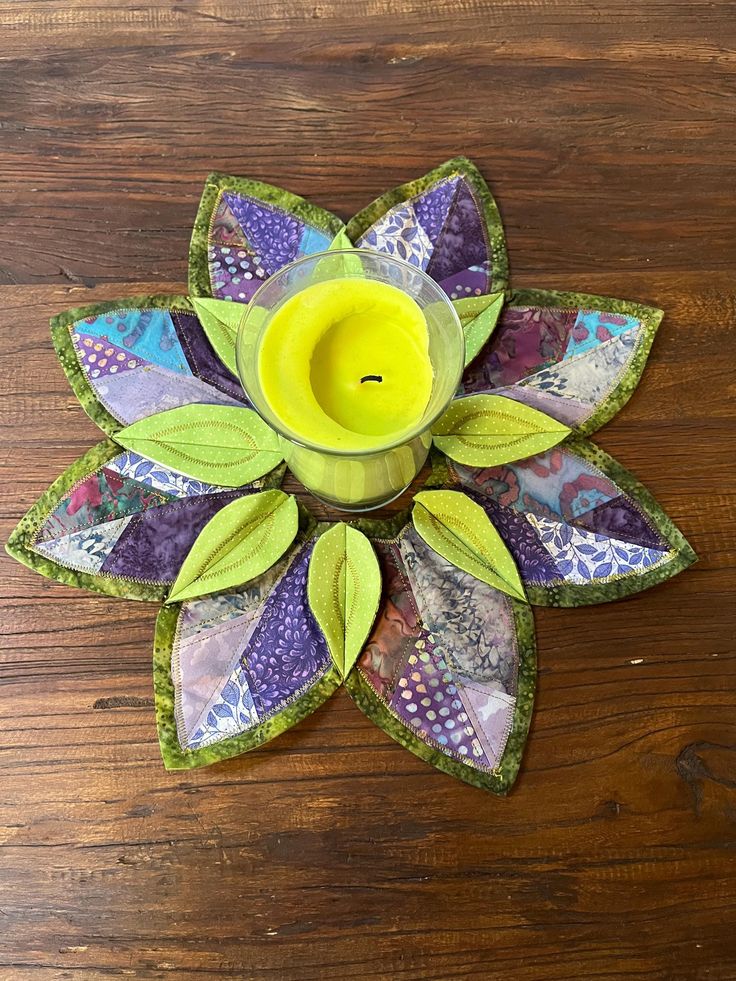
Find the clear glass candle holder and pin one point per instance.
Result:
(355, 480)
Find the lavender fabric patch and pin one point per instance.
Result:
(143, 392)
(201, 666)
(492, 714)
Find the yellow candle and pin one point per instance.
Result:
(345, 364)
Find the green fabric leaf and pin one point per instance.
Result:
(341, 241)
(460, 531)
(220, 320)
(344, 590)
(242, 541)
(478, 315)
(488, 430)
(223, 445)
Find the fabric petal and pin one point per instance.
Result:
(581, 528)
(234, 670)
(575, 356)
(131, 358)
(245, 231)
(447, 223)
(118, 523)
(448, 670)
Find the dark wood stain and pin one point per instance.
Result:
(606, 130)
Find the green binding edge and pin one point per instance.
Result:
(311, 214)
(176, 758)
(467, 169)
(20, 542)
(585, 594)
(499, 780)
(650, 317)
(60, 325)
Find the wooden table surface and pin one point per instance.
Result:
(606, 130)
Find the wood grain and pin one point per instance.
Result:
(606, 130)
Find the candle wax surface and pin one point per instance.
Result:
(345, 364)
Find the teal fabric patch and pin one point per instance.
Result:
(148, 333)
(593, 327)
(313, 241)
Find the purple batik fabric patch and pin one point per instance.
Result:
(288, 650)
(471, 624)
(462, 242)
(153, 546)
(234, 273)
(428, 702)
(526, 339)
(272, 234)
(433, 206)
(475, 281)
(619, 519)
(99, 357)
(202, 359)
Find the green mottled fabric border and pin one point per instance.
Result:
(215, 183)
(499, 780)
(176, 758)
(467, 169)
(650, 318)
(60, 325)
(585, 594)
